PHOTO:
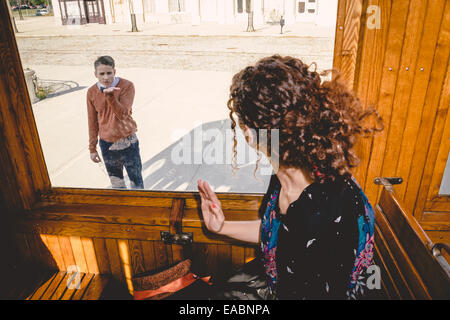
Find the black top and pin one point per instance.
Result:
(317, 239)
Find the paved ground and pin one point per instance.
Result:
(181, 47)
(182, 75)
(47, 25)
(211, 53)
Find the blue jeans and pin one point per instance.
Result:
(129, 158)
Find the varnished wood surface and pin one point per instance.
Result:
(127, 214)
(62, 285)
(404, 73)
(27, 176)
(123, 258)
(373, 60)
(94, 230)
(348, 24)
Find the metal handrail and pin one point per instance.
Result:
(436, 251)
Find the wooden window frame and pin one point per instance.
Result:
(28, 186)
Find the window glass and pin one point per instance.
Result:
(445, 184)
(301, 7)
(180, 56)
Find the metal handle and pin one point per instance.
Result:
(177, 238)
(436, 251)
(388, 181)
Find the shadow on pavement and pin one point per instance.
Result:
(175, 170)
(55, 88)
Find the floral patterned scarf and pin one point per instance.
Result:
(269, 239)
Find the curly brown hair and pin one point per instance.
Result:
(318, 122)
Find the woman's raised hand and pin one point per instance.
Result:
(211, 207)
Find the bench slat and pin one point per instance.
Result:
(83, 287)
(59, 292)
(53, 286)
(96, 287)
(73, 285)
(42, 288)
(401, 289)
(60, 285)
(391, 289)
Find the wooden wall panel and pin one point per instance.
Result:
(390, 67)
(413, 102)
(89, 254)
(347, 36)
(137, 256)
(114, 259)
(101, 252)
(402, 69)
(429, 36)
(423, 148)
(78, 253)
(67, 252)
(368, 79)
(406, 71)
(438, 155)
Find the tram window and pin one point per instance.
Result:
(181, 56)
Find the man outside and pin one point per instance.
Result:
(109, 104)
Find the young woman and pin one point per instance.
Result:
(316, 227)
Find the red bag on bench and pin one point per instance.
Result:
(175, 283)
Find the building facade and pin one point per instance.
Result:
(320, 12)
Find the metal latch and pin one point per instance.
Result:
(177, 238)
(175, 234)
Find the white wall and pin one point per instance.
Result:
(56, 11)
(327, 13)
(220, 11)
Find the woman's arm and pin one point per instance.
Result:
(247, 231)
(215, 220)
(121, 105)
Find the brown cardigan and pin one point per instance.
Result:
(109, 115)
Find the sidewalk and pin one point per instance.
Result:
(50, 27)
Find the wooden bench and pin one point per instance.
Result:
(70, 286)
(412, 266)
